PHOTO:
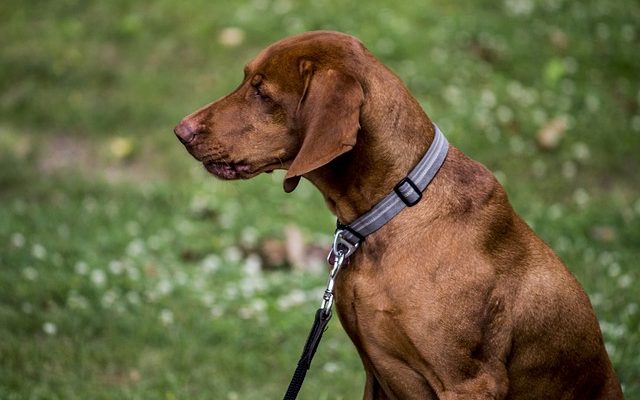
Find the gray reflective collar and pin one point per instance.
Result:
(406, 193)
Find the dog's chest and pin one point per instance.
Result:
(369, 309)
(376, 325)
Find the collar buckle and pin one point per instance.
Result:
(409, 198)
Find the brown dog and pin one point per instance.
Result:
(455, 297)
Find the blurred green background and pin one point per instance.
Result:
(127, 272)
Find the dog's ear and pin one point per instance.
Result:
(328, 116)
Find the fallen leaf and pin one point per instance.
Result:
(231, 37)
(121, 147)
(273, 253)
(549, 137)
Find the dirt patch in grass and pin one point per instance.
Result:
(115, 159)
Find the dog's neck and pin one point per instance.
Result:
(392, 139)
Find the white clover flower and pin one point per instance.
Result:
(216, 311)
(613, 330)
(135, 248)
(254, 309)
(488, 98)
(614, 270)
(210, 264)
(453, 95)
(249, 236)
(133, 273)
(199, 204)
(166, 317)
(581, 151)
(98, 277)
(233, 254)
(555, 211)
(81, 268)
(625, 281)
(116, 267)
(581, 197)
(38, 251)
(231, 292)
(259, 305)
(331, 367)
(252, 265)
(251, 285)
(30, 273)
(18, 240)
(164, 287)
(50, 328)
(504, 114)
(606, 258)
(108, 299)
(133, 297)
(519, 7)
(294, 298)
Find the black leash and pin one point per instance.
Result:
(310, 347)
(339, 252)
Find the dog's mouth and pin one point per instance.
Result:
(229, 170)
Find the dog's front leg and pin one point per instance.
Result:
(372, 388)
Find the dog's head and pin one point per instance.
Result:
(297, 108)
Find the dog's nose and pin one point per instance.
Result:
(186, 130)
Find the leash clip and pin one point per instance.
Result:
(340, 250)
(340, 246)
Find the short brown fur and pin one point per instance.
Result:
(455, 297)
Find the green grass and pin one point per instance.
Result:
(127, 272)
